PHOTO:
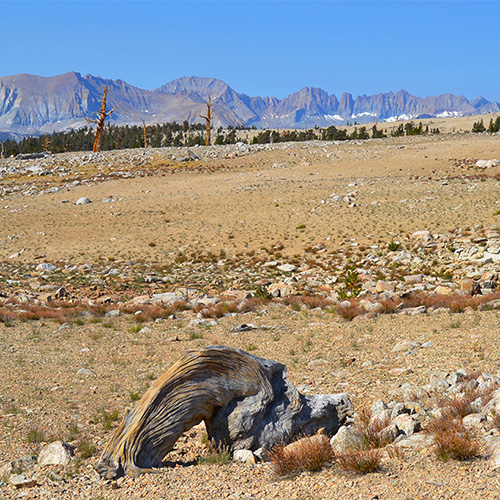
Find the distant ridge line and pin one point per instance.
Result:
(35, 105)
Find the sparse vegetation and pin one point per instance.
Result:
(35, 435)
(451, 439)
(105, 418)
(306, 454)
(215, 454)
(359, 461)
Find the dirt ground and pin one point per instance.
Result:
(253, 205)
(240, 206)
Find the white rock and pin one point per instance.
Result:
(45, 267)
(345, 438)
(287, 268)
(473, 421)
(83, 201)
(56, 453)
(86, 372)
(405, 345)
(245, 456)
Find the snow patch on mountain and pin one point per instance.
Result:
(400, 118)
(449, 114)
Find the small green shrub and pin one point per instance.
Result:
(215, 454)
(35, 436)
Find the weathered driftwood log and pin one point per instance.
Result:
(247, 402)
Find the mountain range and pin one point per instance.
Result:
(34, 105)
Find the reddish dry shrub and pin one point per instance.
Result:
(351, 311)
(156, 311)
(495, 417)
(452, 439)
(454, 302)
(309, 301)
(151, 312)
(217, 310)
(32, 312)
(6, 316)
(359, 461)
(306, 454)
(100, 310)
(250, 305)
(461, 405)
(390, 305)
(294, 301)
(316, 301)
(370, 431)
(131, 308)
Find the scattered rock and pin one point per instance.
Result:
(86, 372)
(245, 327)
(45, 267)
(83, 201)
(20, 481)
(56, 453)
(245, 456)
(405, 345)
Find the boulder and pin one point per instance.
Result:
(346, 438)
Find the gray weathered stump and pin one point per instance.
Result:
(247, 402)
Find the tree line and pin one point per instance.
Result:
(189, 134)
(494, 126)
(113, 137)
(333, 133)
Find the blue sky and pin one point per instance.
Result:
(262, 48)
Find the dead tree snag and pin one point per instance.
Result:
(145, 136)
(246, 402)
(208, 117)
(103, 114)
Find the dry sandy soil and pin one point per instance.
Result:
(242, 206)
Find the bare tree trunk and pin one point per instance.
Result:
(208, 118)
(103, 114)
(145, 137)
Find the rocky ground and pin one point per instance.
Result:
(366, 267)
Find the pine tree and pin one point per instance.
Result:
(478, 127)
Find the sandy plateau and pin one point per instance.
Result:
(225, 226)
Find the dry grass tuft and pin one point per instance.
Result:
(306, 454)
(390, 305)
(370, 431)
(6, 317)
(146, 312)
(451, 439)
(359, 461)
(351, 311)
(58, 311)
(496, 419)
(225, 308)
(454, 302)
(462, 404)
(308, 301)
